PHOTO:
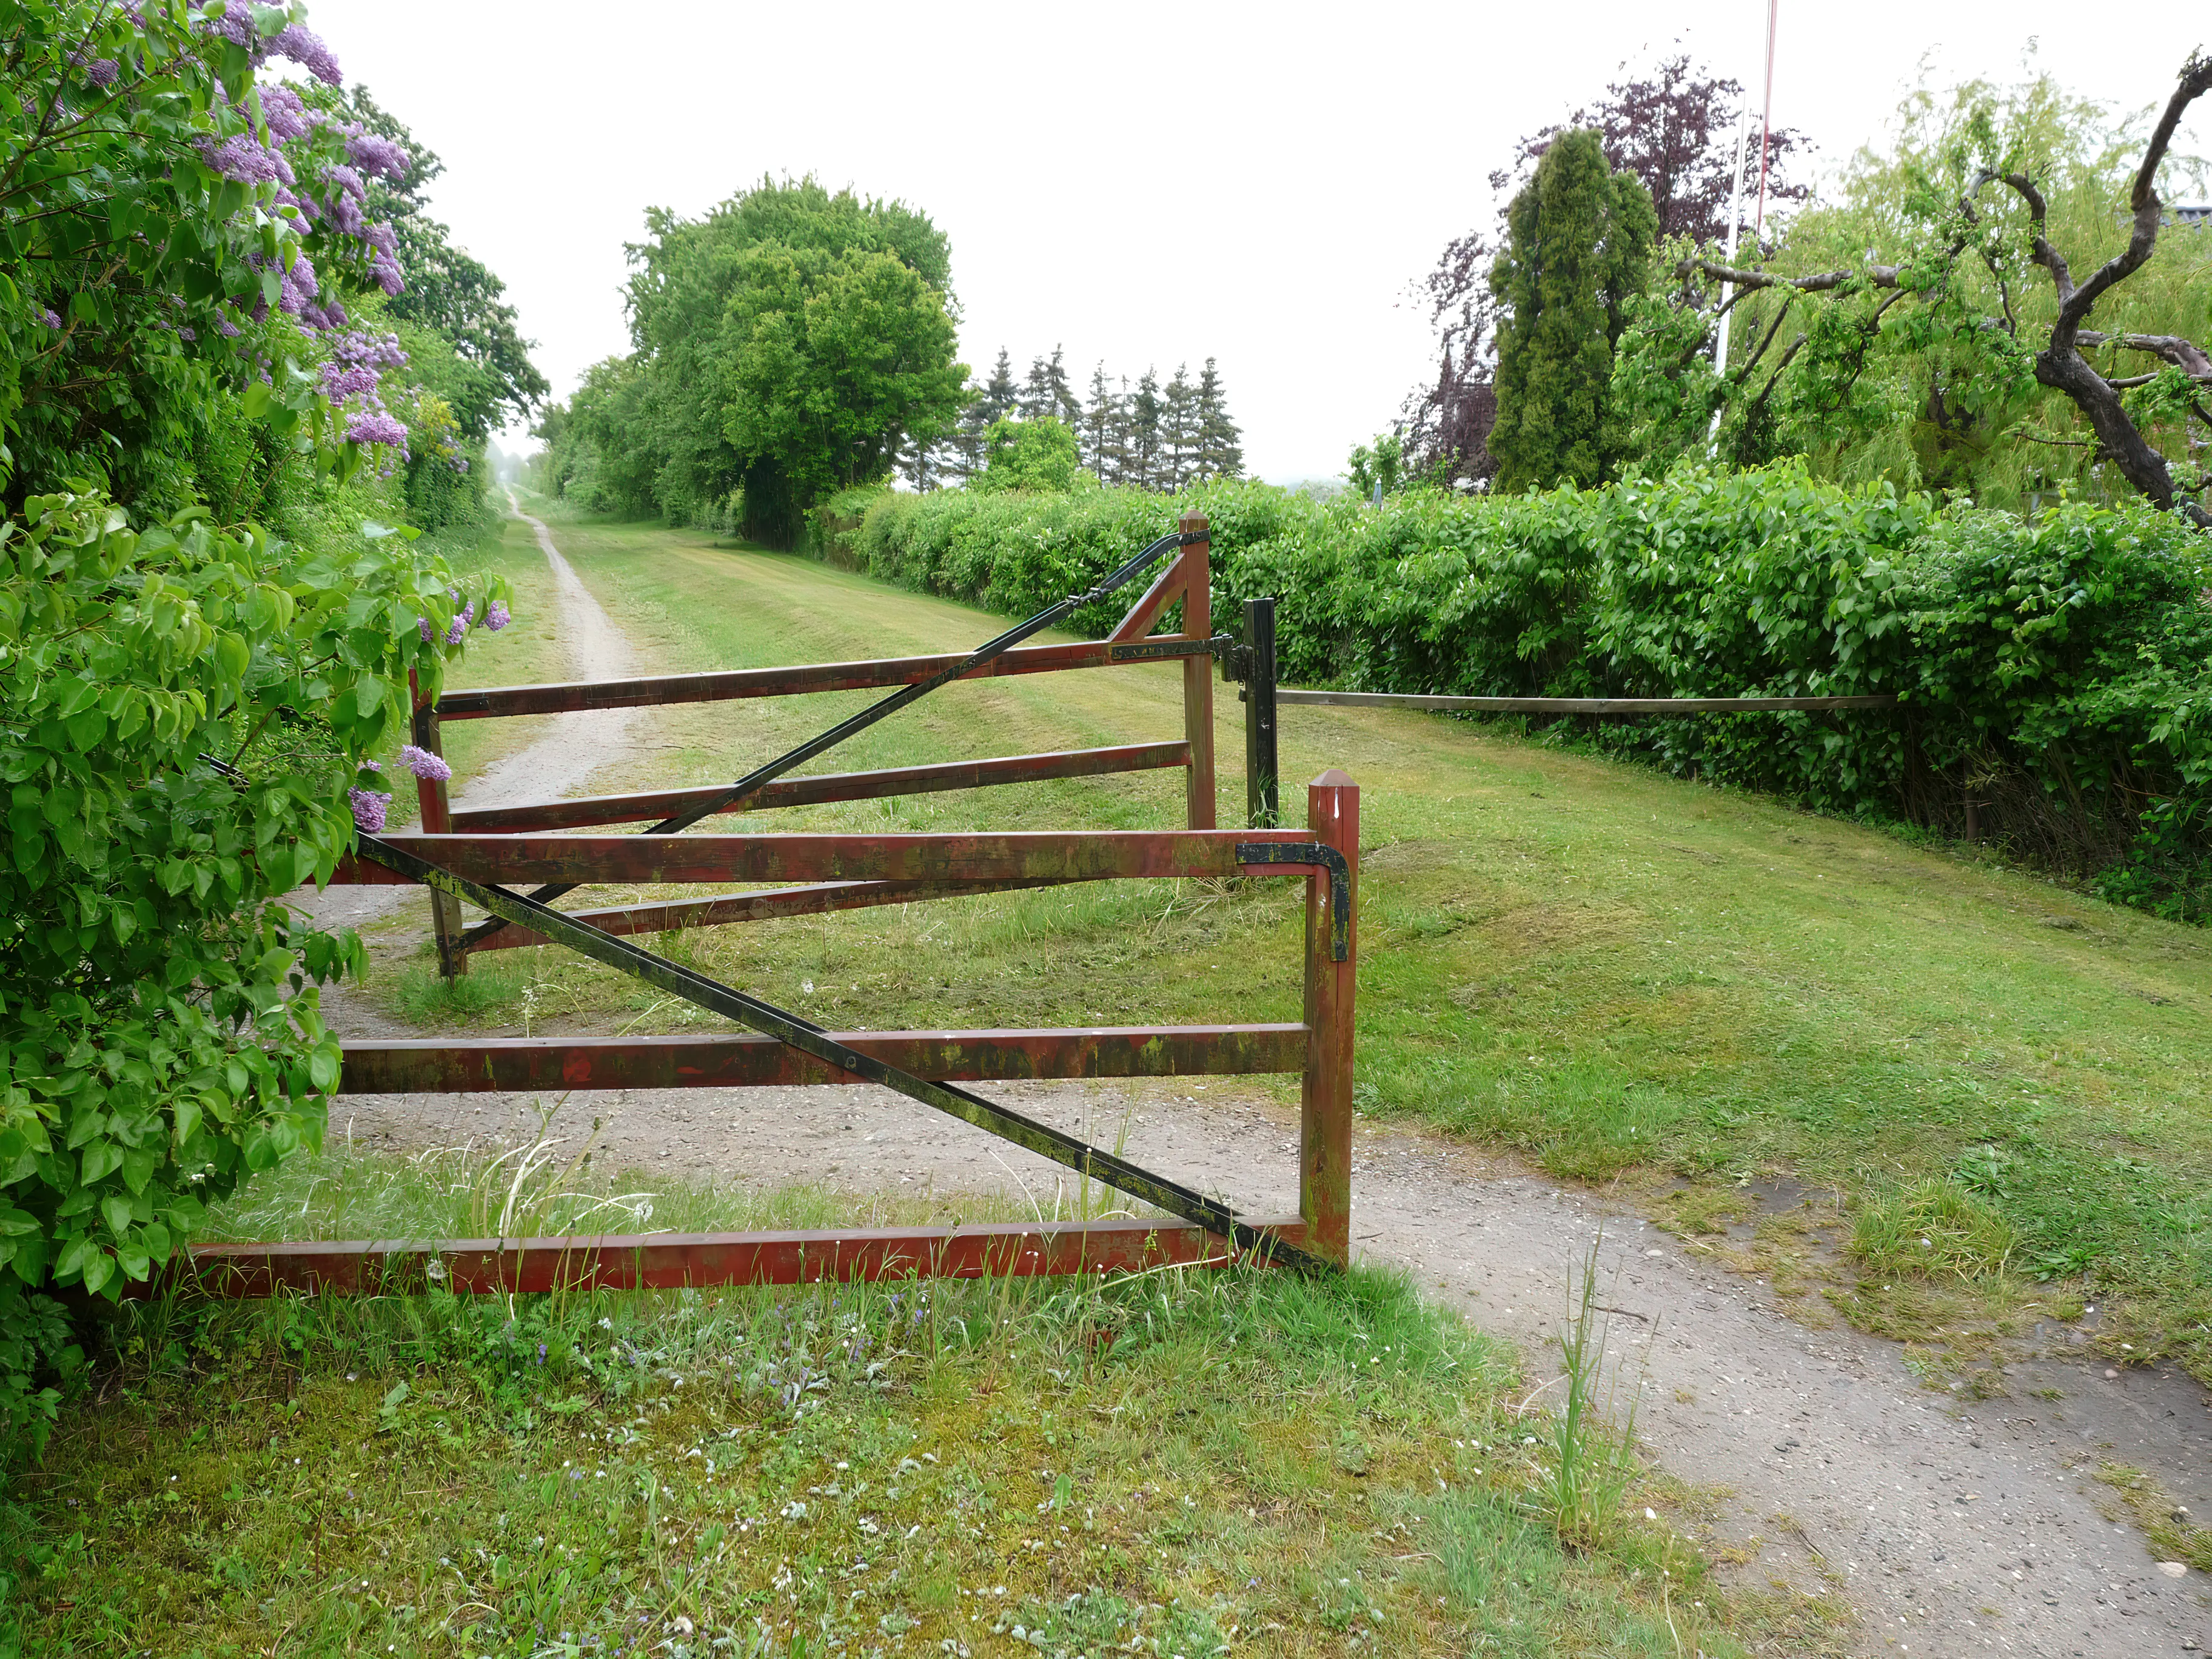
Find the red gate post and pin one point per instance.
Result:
(1325, 1114)
(437, 820)
(1198, 674)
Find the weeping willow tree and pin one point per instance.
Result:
(2005, 303)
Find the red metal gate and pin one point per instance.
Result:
(475, 854)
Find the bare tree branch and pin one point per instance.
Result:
(2186, 356)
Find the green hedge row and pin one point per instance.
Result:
(2057, 671)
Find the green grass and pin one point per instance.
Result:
(1624, 977)
(1254, 1463)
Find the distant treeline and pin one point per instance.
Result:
(1151, 437)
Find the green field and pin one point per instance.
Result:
(1625, 978)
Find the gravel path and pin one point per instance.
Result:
(1951, 1526)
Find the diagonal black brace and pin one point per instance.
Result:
(791, 1029)
(867, 717)
(1339, 881)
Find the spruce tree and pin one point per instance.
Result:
(1220, 455)
(1578, 242)
(1037, 402)
(1065, 405)
(1000, 396)
(1144, 460)
(1179, 429)
(1100, 427)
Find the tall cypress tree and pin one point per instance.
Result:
(1578, 242)
(1220, 455)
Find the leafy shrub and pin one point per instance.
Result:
(159, 1031)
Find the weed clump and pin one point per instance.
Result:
(1935, 1228)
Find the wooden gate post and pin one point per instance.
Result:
(1198, 673)
(437, 820)
(1325, 1114)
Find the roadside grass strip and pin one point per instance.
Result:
(1172, 1463)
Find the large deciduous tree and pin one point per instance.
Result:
(1578, 243)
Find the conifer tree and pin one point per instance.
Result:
(1100, 427)
(1179, 430)
(1000, 397)
(1220, 455)
(1036, 402)
(1065, 405)
(1144, 460)
(1578, 239)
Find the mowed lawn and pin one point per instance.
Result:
(1629, 978)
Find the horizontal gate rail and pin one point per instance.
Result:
(773, 904)
(1287, 698)
(665, 1262)
(590, 810)
(731, 684)
(1017, 855)
(749, 1060)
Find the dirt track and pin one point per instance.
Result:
(1953, 1528)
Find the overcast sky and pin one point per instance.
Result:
(1140, 182)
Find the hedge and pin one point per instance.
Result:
(2057, 670)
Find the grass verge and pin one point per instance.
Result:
(1173, 1463)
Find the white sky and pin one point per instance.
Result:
(1141, 182)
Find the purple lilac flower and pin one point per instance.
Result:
(460, 627)
(242, 156)
(284, 112)
(423, 627)
(496, 617)
(369, 765)
(236, 26)
(51, 319)
(102, 71)
(375, 426)
(424, 764)
(369, 808)
(306, 48)
(376, 154)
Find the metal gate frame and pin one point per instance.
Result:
(845, 872)
(1187, 579)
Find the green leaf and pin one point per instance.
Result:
(100, 1160)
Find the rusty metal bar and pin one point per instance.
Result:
(663, 915)
(571, 696)
(1325, 1110)
(1070, 1151)
(1051, 855)
(1141, 616)
(1263, 800)
(480, 1266)
(832, 786)
(436, 1066)
(1573, 705)
(1197, 673)
(437, 820)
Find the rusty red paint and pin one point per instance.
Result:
(1325, 1095)
(1165, 590)
(1051, 856)
(833, 786)
(744, 1061)
(678, 1260)
(726, 684)
(659, 915)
